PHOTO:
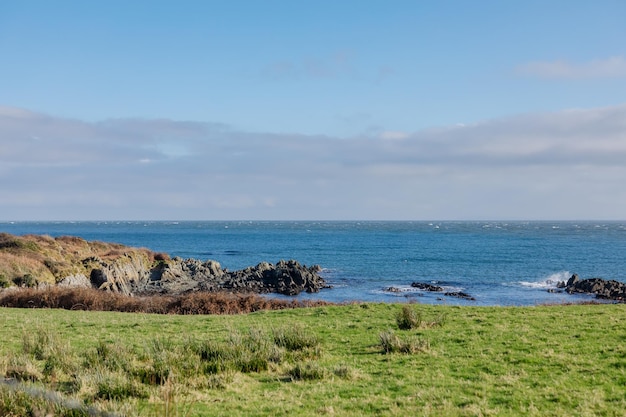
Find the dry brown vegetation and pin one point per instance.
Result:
(192, 303)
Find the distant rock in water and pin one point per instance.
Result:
(426, 287)
(70, 261)
(433, 288)
(602, 288)
(460, 294)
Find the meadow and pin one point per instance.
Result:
(349, 360)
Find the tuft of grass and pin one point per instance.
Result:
(4, 281)
(117, 387)
(107, 355)
(345, 372)
(295, 338)
(242, 352)
(408, 318)
(23, 369)
(307, 371)
(18, 403)
(392, 343)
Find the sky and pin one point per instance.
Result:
(313, 110)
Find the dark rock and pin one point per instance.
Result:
(426, 287)
(460, 294)
(572, 281)
(286, 277)
(602, 288)
(291, 278)
(97, 277)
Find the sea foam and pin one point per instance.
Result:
(550, 281)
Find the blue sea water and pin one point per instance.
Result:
(499, 263)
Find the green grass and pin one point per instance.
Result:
(537, 361)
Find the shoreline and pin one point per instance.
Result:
(76, 262)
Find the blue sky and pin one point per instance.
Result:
(312, 110)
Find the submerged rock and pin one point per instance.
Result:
(460, 294)
(426, 287)
(435, 288)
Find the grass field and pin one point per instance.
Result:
(330, 360)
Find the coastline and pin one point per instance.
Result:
(498, 263)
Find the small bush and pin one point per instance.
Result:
(26, 280)
(161, 257)
(408, 318)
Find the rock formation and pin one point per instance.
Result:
(602, 288)
(70, 261)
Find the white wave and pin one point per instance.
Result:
(550, 281)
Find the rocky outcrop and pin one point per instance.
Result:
(602, 288)
(34, 260)
(185, 275)
(286, 277)
(178, 276)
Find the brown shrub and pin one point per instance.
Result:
(161, 257)
(193, 303)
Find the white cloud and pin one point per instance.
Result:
(529, 166)
(613, 67)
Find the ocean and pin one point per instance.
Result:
(498, 263)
